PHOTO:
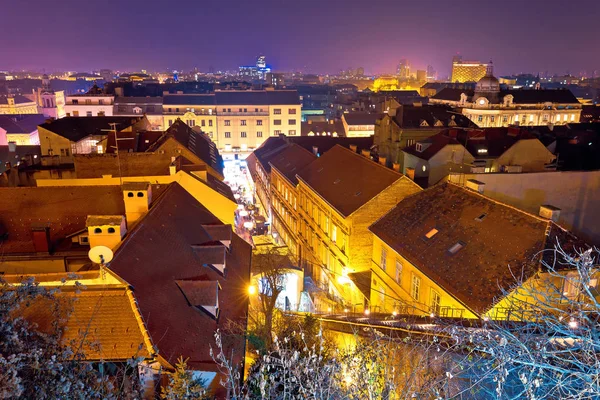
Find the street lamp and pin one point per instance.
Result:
(248, 224)
(243, 213)
(251, 290)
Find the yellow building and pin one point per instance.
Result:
(385, 82)
(449, 251)
(467, 71)
(285, 216)
(17, 104)
(490, 106)
(340, 195)
(237, 121)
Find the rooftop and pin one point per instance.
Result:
(356, 118)
(19, 99)
(347, 180)
(26, 123)
(291, 160)
(76, 128)
(520, 96)
(480, 245)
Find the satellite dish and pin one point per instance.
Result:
(100, 254)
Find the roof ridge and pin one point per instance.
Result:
(368, 160)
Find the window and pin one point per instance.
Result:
(383, 260)
(227, 122)
(191, 123)
(243, 122)
(259, 134)
(170, 109)
(203, 123)
(292, 132)
(492, 118)
(571, 285)
(75, 101)
(101, 113)
(240, 110)
(88, 113)
(456, 247)
(100, 101)
(170, 122)
(572, 117)
(277, 111)
(76, 113)
(111, 230)
(227, 135)
(277, 122)
(277, 132)
(505, 118)
(292, 111)
(415, 287)
(245, 110)
(88, 101)
(410, 142)
(480, 118)
(98, 230)
(545, 117)
(419, 147)
(243, 134)
(481, 217)
(140, 194)
(259, 122)
(176, 109)
(435, 302)
(210, 122)
(334, 233)
(291, 122)
(398, 272)
(431, 233)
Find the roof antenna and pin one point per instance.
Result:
(113, 129)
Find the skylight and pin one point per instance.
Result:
(431, 233)
(337, 181)
(456, 247)
(482, 151)
(481, 217)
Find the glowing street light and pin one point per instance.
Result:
(248, 224)
(251, 290)
(367, 311)
(243, 213)
(573, 324)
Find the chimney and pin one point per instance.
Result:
(396, 167)
(410, 172)
(119, 91)
(331, 122)
(354, 148)
(383, 161)
(137, 197)
(40, 235)
(549, 212)
(475, 185)
(105, 230)
(366, 153)
(12, 147)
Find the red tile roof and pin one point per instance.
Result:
(163, 249)
(291, 160)
(346, 180)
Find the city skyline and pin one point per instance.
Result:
(139, 35)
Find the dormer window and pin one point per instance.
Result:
(98, 230)
(419, 147)
(111, 230)
(482, 151)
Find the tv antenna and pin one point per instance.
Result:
(113, 130)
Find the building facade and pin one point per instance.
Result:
(17, 104)
(89, 105)
(467, 71)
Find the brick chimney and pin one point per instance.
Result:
(549, 212)
(40, 235)
(137, 197)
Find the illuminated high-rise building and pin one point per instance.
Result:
(261, 61)
(467, 71)
(431, 74)
(403, 69)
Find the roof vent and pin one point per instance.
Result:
(549, 212)
(475, 185)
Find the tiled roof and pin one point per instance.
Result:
(257, 97)
(499, 242)
(100, 321)
(197, 142)
(413, 117)
(520, 96)
(291, 160)
(323, 128)
(432, 146)
(138, 141)
(166, 247)
(19, 99)
(139, 100)
(357, 118)
(63, 209)
(494, 140)
(347, 180)
(189, 99)
(77, 128)
(128, 164)
(26, 123)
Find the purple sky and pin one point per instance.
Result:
(309, 35)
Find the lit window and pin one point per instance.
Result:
(572, 117)
(558, 117)
(243, 122)
(277, 111)
(456, 247)
(482, 151)
(227, 122)
(431, 233)
(259, 134)
(480, 118)
(228, 134)
(243, 134)
(415, 287)
(383, 261)
(435, 302)
(259, 122)
(398, 271)
(334, 233)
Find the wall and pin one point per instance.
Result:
(94, 107)
(574, 192)
(235, 119)
(397, 287)
(531, 154)
(288, 112)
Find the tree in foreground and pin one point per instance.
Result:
(183, 385)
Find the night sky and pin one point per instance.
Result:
(308, 35)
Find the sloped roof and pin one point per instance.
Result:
(63, 209)
(432, 146)
(346, 180)
(26, 123)
(189, 99)
(408, 116)
(494, 140)
(499, 241)
(100, 321)
(291, 160)
(19, 99)
(520, 96)
(359, 118)
(322, 128)
(157, 253)
(77, 128)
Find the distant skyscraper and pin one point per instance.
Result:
(261, 62)
(421, 75)
(467, 71)
(360, 71)
(403, 70)
(431, 74)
